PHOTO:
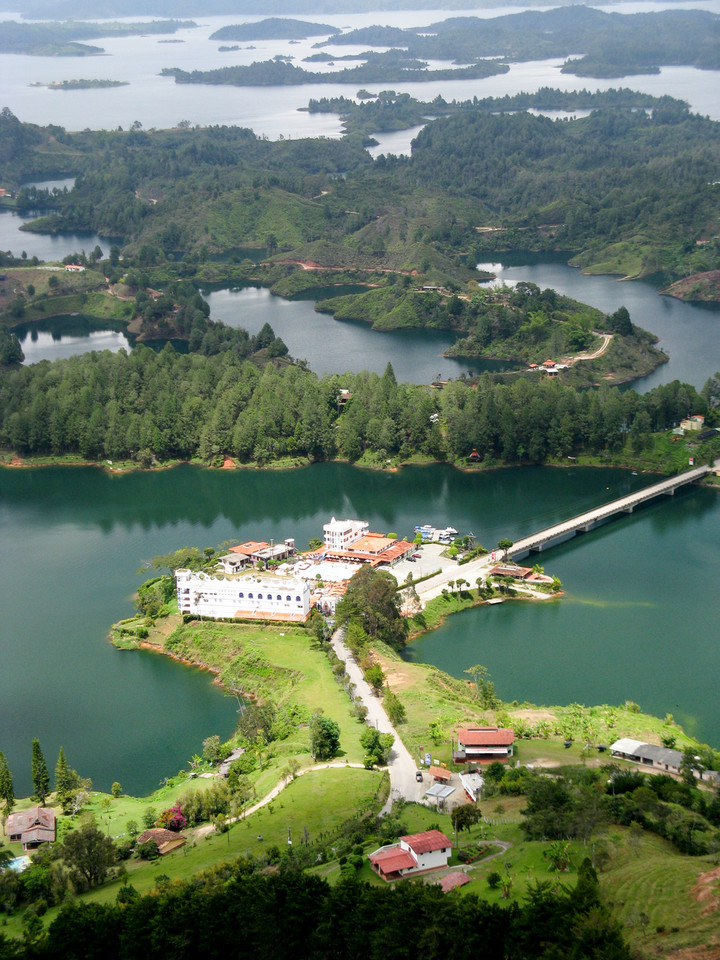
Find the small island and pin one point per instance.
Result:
(86, 84)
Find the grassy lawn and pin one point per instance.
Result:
(279, 663)
(319, 802)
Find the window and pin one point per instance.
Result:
(278, 597)
(297, 599)
(260, 596)
(288, 598)
(241, 595)
(250, 596)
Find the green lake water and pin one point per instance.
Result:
(637, 623)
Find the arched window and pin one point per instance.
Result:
(297, 599)
(278, 597)
(241, 595)
(250, 596)
(288, 598)
(260, 596)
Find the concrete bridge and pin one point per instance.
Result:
(584, 522)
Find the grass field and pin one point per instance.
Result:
(318, 801)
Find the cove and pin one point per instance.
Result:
(68, 336)
(76, 536)
(334, 346)
(687, 331)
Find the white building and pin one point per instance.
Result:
(242, 598)
(340, 534)
(415, 853)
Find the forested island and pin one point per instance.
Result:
(86, 84)
(56, 39)
(392, 66)
(274, 28)
(614, 44)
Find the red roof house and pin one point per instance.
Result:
(415, 853)
(31, 827)
(484, 745)
(166, 840)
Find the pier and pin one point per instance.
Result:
(585, 522)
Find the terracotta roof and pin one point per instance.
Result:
(486, 737)
(250, 547)
(35, 825)
(427, 842)
(510, 570)
(159, 834)
(439, 773)
(452, 881)
(392, 860)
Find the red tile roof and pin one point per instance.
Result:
(35, 825)
(486, 737)
(250, 547)
(439, 773)
(426, 842)
(452, 881)
(392, 860)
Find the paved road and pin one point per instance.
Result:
(401, 765)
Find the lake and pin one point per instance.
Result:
(640, 610)
(688, 332)
(159, 102)
(639, 618)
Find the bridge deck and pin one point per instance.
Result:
(592, 518)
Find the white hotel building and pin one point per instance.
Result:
(243, 598)
(341, 534)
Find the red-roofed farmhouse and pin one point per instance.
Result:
(415, 853)
(484, 745)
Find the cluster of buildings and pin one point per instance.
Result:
(257, 580)
(550, 367)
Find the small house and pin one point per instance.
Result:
(415, 853)
(484, 745)
(648, 755)
(696, 422)
(31, 827)
(165, 840)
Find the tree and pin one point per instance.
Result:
(324, 737)
(372, 599)
(375, 677)
(39, 772)
(70, 788)
(64, 782)
(89, 854)
(377, 747)
(465, 816)
(505, 545)
(484, 687)
(211, 749)
(6, 784)
(116, 789)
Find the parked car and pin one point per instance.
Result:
(419, 776)
(416, 556)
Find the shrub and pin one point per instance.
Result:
(494, 880)
(147, 850)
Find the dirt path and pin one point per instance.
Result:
(593, 355)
